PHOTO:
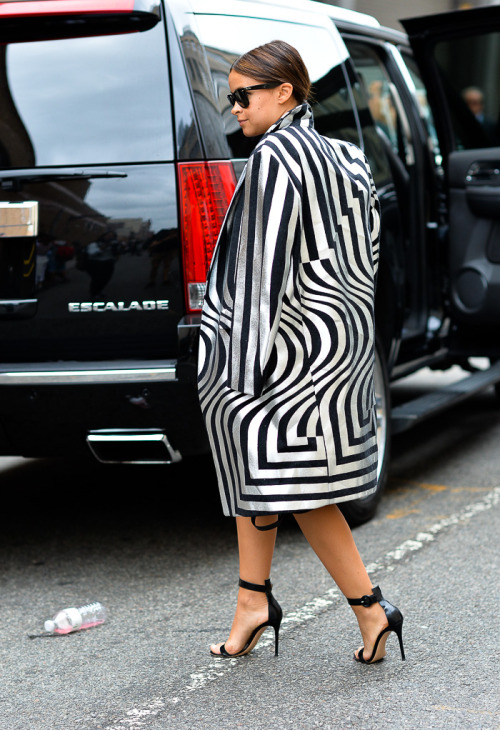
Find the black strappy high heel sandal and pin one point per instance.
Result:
(274, 620)
(394, 617)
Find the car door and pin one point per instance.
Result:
(459, 58)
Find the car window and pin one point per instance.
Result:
(381, 94)
(423, 105)
(226, 38)
(93, 100)
(372, 143)
(470, 69)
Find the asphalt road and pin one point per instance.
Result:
(151, 545)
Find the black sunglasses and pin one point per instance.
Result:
(240, 96)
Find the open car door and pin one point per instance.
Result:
(459, 57)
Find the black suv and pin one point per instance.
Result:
(119, 155)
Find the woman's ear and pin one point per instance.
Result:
(285, 91)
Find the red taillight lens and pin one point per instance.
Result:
(59, 7)
(22, 21)
(205, 190)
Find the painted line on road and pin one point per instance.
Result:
(137, 718)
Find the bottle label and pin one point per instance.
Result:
(74, 617)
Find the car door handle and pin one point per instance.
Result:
(484, 173)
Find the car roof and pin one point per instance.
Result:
(229, 7)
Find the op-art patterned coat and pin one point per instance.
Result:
(287, 335)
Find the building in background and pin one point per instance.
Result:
(388, 12)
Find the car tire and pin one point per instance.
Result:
(497, 385)
(358, 511)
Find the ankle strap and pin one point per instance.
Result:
(367, 601)
(266, 588)
(272, 526)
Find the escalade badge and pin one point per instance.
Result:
(134, 306)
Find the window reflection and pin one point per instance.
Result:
(424, 107)
(85, 101)
(107, 234)
(332, 106)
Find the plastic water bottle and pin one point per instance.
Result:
(75, 619)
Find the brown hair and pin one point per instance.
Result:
(276, 61)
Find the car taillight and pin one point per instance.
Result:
(22, 8)
(205, 190)
(22, 21)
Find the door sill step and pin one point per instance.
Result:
(409, 414)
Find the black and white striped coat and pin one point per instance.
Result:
(287, 334)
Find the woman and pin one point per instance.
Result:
(287, 347)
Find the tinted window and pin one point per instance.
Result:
(374, 94)
(85, 100)
(372, 144)
(226, 38)
(470, 69)
(380, 92)
(423, 105)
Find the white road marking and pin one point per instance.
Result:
(137, 718)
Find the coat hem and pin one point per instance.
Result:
(301, 508)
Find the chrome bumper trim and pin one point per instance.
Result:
(18, 307)
(95, 373)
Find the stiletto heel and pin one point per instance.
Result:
(399, 632)
(395, 623)
(274, 620)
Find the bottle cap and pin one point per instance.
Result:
(49, 626)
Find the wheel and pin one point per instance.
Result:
(497, 385)
(359, 511)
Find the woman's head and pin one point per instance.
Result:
(281, 76)
(276, 62)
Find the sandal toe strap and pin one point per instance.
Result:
(360, 657)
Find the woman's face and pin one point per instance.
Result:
(266, 105)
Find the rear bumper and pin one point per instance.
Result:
(49, 409)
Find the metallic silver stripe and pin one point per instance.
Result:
(56, 374)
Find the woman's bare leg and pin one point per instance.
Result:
(255, 549)
(328, 533)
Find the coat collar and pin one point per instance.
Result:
(301, 114)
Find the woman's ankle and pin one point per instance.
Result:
(251, 599)
(370, 618)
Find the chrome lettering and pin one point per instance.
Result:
(147, 305)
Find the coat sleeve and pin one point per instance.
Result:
(267, 229)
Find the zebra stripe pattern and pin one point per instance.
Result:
(287, 335)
